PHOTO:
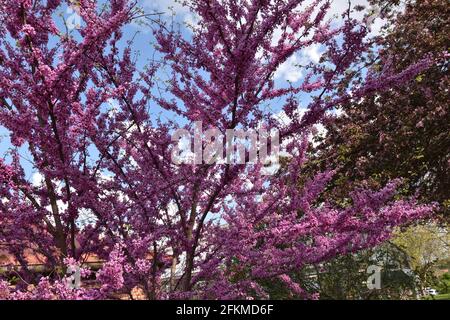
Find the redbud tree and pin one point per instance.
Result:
(87, 116)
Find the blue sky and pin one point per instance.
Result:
(143, 40)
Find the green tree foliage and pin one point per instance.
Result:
(444, 284)
(403, 133)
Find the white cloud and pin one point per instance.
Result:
(313, 53)
(166, 6)
(276, 36)
(340, 6)
(375, 27)
(173, 7)
(289, 70)
(85, 218)
(191, 20)
(37, 179)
